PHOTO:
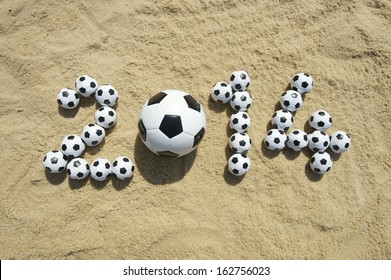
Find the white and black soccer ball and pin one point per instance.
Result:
(239, 164)
(241, 101)
(318, 141)
(275, 139)
(302, 83)
(106, 117)
(239, 80)
(100, 169)
(297, 140)
(320, 120)
(106, 95)
(291, 100)
(78, 169)
(86, 85)
(68, 98)
(72, 145)
(321, 162)
(55, 161)
(282, 119)
(221, 92)
(93, 134)
(339, 142)
(239, 142)
(239, 121)
(123, 167)
(172, 123)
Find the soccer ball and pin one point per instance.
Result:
(302, 83)
(238, 164)
(291, 100)
(241, 101)
(78, 169)
(320, 120)
(123, 167)
(339, 142)
(321, 162)
(239, 142)
(318, 141)
(68, 98)
(239, 80)
(86, 85)
(72, 145)
(282, 119)
(275, 139)
(106, 95)
(297, 140)
(172, 123)
(239, 121)
(93, 134)
(100, 169)
(106, 117)
(221, 92)
(55, 161)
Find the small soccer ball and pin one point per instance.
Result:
(172, 123)
(106, 117)
(339, 142)
(238, 164)
(320, 120)
(239, 80)
(123, 167)
(106, 95)
(282, 119)
(100, 169)
(291, 100)
(239, 121)
(241, 101)
(86, 85)
(318, 141)
(68, 98)
(239, 142)
(78, 169)
(321, 162)
(93, 134)
(221, 92)
(297, 140)
(302, 83)
(72, 145)
(55, 161)
(275, 139)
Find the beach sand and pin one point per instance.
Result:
(191, 207)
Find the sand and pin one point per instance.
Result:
(191, 207)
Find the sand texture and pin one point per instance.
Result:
(191, 207)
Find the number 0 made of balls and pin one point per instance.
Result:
(172, 123)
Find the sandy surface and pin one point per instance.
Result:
(191, 208)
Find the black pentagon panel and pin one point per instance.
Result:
(296, 142)
(312, 160)
(99, 174)
(111, 123)
(295, 132)
(283, 119)
(122, 170)
(82, 78)
(76, 163)
(216, 92)
(304, 84)
(238, 86)
(323, 161)
(99, 132)
(168, 154)
(305, 137)
(235, 171)
(286, 103)
(315, 139)
(294, 95)
(237, 107)
(242, 143)
(107, 165)
(92, 84)
(311, 118)
(328, 169)
(198, 137)
(111, 91)
(111, 113)
(48, 168)
(96, 163)
(192, 103)
(245, 116)
(294, 88)
(91, 125)
(65, 93)
(76, 147)
(336, 147)
(69, 171)
(321, 113)
(226, 94)
(243, 76)
(317, 170)
(224, 84)
(339, 136)
(297, 106)
(101, 119)
(270, 133)
(235, 121)
(71, 137)
(115, 163)
(125, 159)
(80, 174)
(171, 125)
(232, 138)
(142, 130)
(306, 74)
(61, 168)
(232, 78)
(295, 78)
(325, 143)
(106, 101)
(71, 104)
(59, 102)
(63, 147)
(321, 124)
(267, 144)
(243, 98)
(276, 140)
(95, 142)
(244, 126)
(54, 160)
(234, 160)
(100, 92)
(245, 165)
(347, 145)
(86, 134)
(132, 168)
(157, 98)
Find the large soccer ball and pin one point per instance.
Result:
(172, 123)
